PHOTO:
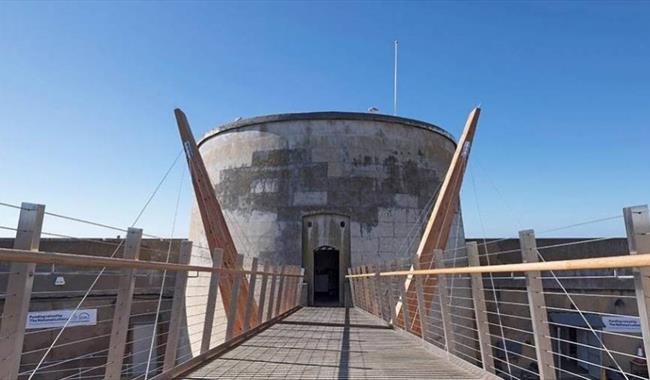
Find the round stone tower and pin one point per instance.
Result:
(326, 190)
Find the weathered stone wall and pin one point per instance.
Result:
(379, 170)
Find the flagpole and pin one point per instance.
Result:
(395, 82)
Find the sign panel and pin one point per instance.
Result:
(622, 324)
(58, 318)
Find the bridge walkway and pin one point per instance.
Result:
(330, 343)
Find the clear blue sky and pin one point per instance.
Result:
(87, 91)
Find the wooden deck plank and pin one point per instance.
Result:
(326, 343)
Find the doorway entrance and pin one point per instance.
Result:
(326, 276)
(326, 258)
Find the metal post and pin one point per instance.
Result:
(19, 291)
(480, 309)
(265, 279)
(234, 296)
(178, 307)
(537, 304)
(251, 295)
(213, 291)
(123, 304)
(443, 297)
(637, 225)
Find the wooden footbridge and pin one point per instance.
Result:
(474, 311)
(475, 322)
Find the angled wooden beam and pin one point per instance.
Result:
(214, 223)
(437, 230)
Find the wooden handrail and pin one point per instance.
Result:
(73, 260)
(611, 262)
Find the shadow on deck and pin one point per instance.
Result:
(330, 343)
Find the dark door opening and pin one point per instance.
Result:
(326, 276)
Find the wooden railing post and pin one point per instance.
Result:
(374, 299)
(211, 302)
(537, 304)
(178, 308)
(402, 298)
(288, 289)
(370, 291)
(19, 291)
(265, 279)
(299, 290)
(293, 295)
(392, 300)
(272, 295)
(353, 295)
(443, 297)
(361, 293)
(637, 225)
(278, 301)
(376, 280)
(122, 314)
(422, 309)
(232, 312)
(251, 295)
(480, 310)
(361, 285)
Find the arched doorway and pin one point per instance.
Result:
(326, 276)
